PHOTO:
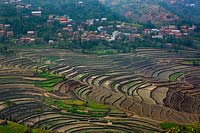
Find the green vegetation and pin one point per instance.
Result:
(80, 107)
(107, 51)
(191, 61)
(32, 46)
(5, 51)
(137, 25)
(177, 128)
(74, 10)
(12, 127)
(168, 125)
(80, 76)
(52, 58)
(95, 105)
(45, 74)
(187, 63)
(37, 71)
(173, 77)
(50, 82)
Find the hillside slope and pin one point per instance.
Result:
(188, 10)
(156, 11)
(141, 11)
(77, 10)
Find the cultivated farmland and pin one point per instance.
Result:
(64, 91)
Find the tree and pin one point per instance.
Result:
(149, 24)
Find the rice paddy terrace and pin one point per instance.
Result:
(62, 91)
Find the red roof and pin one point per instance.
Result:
(167, 31)
(62, 19)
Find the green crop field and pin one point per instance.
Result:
(12, 127)
(175, 76)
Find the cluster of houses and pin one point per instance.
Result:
(186, 3)
(6, 30)
(28, 38)
(121, 31)
(61, 19)
(10, 1)
(104, 30)
(94, 29)
(170, 31)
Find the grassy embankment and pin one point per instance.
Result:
(173, 77)
(50, 82)
(177, 128)
(90, 108)
(12, 127)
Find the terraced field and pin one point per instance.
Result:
(64, 91)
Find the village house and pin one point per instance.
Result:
(178, 35)
(89, 22)
(7, 26)
(1, 26)
(116, 35)
(97, 20)
(168, 44)
(154, 31)
(89, 35)
(62, 20)
(190, 5)
(80, 28)
(192, 28)
(147, 31)
(100, 28)
(59, 34)
(167, 31)
(171, 31)
(80, 3)
(67, 29)
(134, 36)
(9, 33)
(109, 27)
(118, 26)
(2, 33)
(103, 19)
(51, 18)
(159, 36)
(28, 6)
(15, 1)
(184, 29)
(172, 27)
(26, 40)
(162, 30)
(50, 42)
(20, 6)
(37, 13)
(31, 33)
